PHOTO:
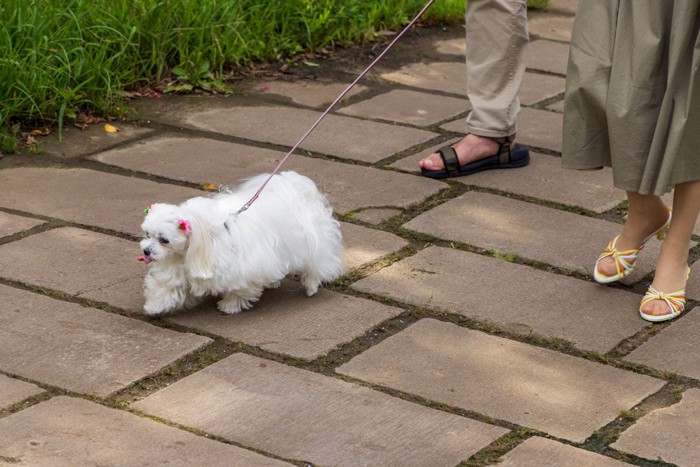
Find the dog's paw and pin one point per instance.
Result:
(155, 309)
(232, 304)
(311, 286)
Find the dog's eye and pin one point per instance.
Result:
(164, 241)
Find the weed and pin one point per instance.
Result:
(8, 142)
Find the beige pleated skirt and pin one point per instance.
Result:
(633, 92)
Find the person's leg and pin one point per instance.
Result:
(497, 37)
(645, 214)
(671, 267)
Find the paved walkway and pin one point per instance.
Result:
(466, 331)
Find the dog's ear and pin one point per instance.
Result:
(198, 259)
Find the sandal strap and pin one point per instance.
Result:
(449, 159)
(675, 300)
(623, 259)
(504, 142)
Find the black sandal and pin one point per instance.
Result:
(505, 158)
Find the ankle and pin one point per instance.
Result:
(638, 227)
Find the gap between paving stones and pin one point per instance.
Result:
(46, 225)
(602, 438)
(628, 345)
(490, 454)
(48, 393)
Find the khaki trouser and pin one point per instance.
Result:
(497, 39)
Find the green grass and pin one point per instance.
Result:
(62, 59)
(58, 59)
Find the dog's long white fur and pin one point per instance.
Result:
(289, 230)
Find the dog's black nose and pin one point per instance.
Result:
(147, 252)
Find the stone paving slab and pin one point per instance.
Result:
(548, 56)
(676, 348)
(311, 93)
(693, 285)
(286, 321)
(543, 452)
(345, 137)
(82, 349)
(529, 230)
(456, 126)
(537, 87)
(86, 196)
(435, 76)
(364, 245)
(78, 262)
(67, 432)
(298, 414)
(14, 390)
(544, 178)
(452, 47)
(349, 187)
(528, 300)
(410, 107)
(564, 6)
(76, 143)
(534, 387)
(11, 224)
(671, 434)
(551, 26)
(540, 128)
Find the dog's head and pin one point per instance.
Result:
(170, 230)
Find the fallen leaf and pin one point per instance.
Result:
(41, 131)
(209, 187)
(30, 140)
(111, 128)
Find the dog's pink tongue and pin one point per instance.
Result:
(145, 259)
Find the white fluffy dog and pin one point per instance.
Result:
(203, 248)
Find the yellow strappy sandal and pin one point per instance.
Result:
(675, 301)
(625, 260)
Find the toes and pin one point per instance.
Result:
(432, 162)
(607, 266)
(655, 308)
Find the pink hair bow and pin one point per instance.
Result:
(184, 225)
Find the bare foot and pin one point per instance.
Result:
(469, 149)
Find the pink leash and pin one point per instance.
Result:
(342, 94)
